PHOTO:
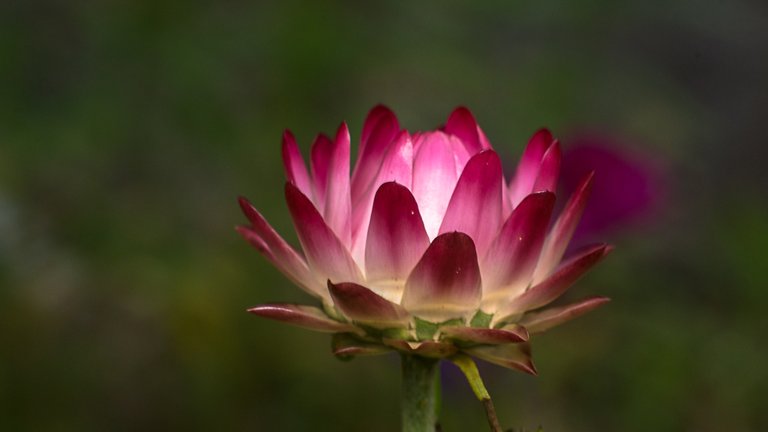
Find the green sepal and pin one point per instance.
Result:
(481, 319)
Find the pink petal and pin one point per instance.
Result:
(295, 168)
(380, 129)
(562, 231)
(513, 255)
(445, 283)
(302, 316)
(396, 167)
(549, 169)
(338, 207)
(486, 336)
(320, 160)
(396, 236)
(361, 304)
(528, 169)
(327, 256)
(475, 207)
(462, 123)
(513, 356)
(542, 321)
(278, 252)
(434, 178)
(559, 282)
(345, 346)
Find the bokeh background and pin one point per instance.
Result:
(128, 128)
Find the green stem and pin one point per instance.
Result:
(420, 387)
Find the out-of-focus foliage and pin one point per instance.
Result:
(127, 129)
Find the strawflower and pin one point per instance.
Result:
(427, 250)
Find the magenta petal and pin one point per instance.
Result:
(514, 356)
(262, 236)
(486, 336)
(513, 255)
(559, 282)
(528, 168)
(396, 236)
(295, 168)
(561, 233)
(338, 207)
(302, 316)
(361, 304)
(475, 207)
(396, 167)
(538, 322)
(445, 283)
(434, 178)
(346, 346)
(327, 256)
(549, 169)
(320, 160)
(462, 124)
(380, 129)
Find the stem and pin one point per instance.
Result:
(468, 366)
(420, 380)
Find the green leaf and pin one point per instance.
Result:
(481, 319)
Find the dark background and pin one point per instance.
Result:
(128, 128)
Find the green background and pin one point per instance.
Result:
(128, 128)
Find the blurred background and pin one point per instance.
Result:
(128, 129)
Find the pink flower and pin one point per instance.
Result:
(425, 248)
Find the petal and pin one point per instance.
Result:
(513, 255)
(561, 233)
(475, 207)
(486, 336)
(528, 169)
(434, 179)
(345, 346)
(262, 236)
(445, 283)
(542, 321)
(327, 256)
(396, 167)
(426, 348)
(361, 304)
(320, 159)
(462, 123)
(295, 168)
(380, 129)
(338, 207)
(559, 282)
(513, 356)
(549, 170)
(307, 317)
(396, 236)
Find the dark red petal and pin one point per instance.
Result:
(549, 170)
(426, 348)
(558, 283)
(295, 168)
(361, 304)
(338, 207)
(487, 336)
(380, 129)
(302, 316)
(320, 160)
(528, 168)
(514, 356)
(538, 322)
(475, 206)
(561, 233)
(396, 236)
(445, 283)
(327, 256)
(462, 124)
(512, 257)
(346, 346)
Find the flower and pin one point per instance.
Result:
(425, 249)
